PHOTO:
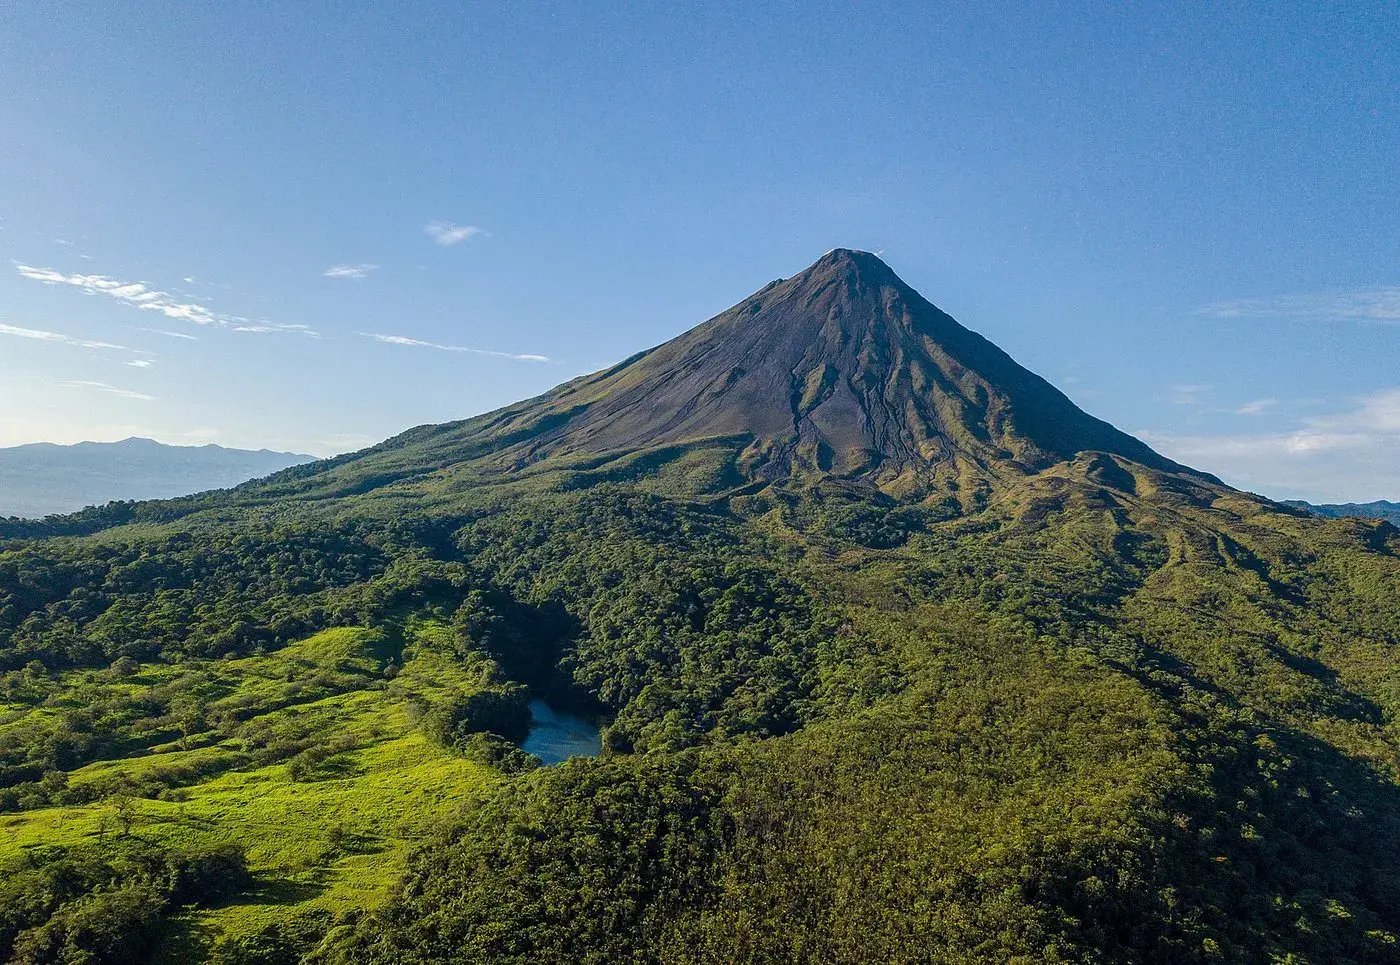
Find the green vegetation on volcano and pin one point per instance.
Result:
(969, 676)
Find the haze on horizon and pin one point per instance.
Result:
(305, 230)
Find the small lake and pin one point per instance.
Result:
(557, 735)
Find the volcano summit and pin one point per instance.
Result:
(842, 368)
(841, 371)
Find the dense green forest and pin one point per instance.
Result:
(839, 727)
(1040, 703)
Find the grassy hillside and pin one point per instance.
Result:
(309, 761)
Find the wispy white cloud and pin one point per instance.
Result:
(140, 363)
(1189, 394)
(135, 294)
(349, 271)
(139, 295)
(109, 389)
(56, 337)
(1297, 442)
(1380, 304)
(419, 343)
(1379, 411)
(447, 234)
(161, 331)
(1344, 456)
(1256, 407)
(276, 328)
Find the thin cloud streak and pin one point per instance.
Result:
(39, 335)
(1256, 407)
(275, 328)
(349, 271)
(1377, 305)
(419, 343)
(109, 389)
(139, 295)
(1189, 394)
(135, 294)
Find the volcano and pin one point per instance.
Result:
(841, 370)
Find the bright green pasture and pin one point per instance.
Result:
(334, 839)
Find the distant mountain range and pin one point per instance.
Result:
(43, 479)
(1380, 509)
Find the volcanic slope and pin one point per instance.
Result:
(842, 370)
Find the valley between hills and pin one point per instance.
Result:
(896, 655)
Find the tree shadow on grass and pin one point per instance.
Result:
(186, 938)
(267, 890)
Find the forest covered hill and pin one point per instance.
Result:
(1377, 509)
(42, 479)
(898, 654)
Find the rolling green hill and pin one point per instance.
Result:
(900, 656)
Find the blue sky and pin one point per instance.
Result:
(309, 226)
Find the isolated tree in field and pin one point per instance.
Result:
(124, 808)
(188, 712)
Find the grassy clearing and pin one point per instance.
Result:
(330, 833)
